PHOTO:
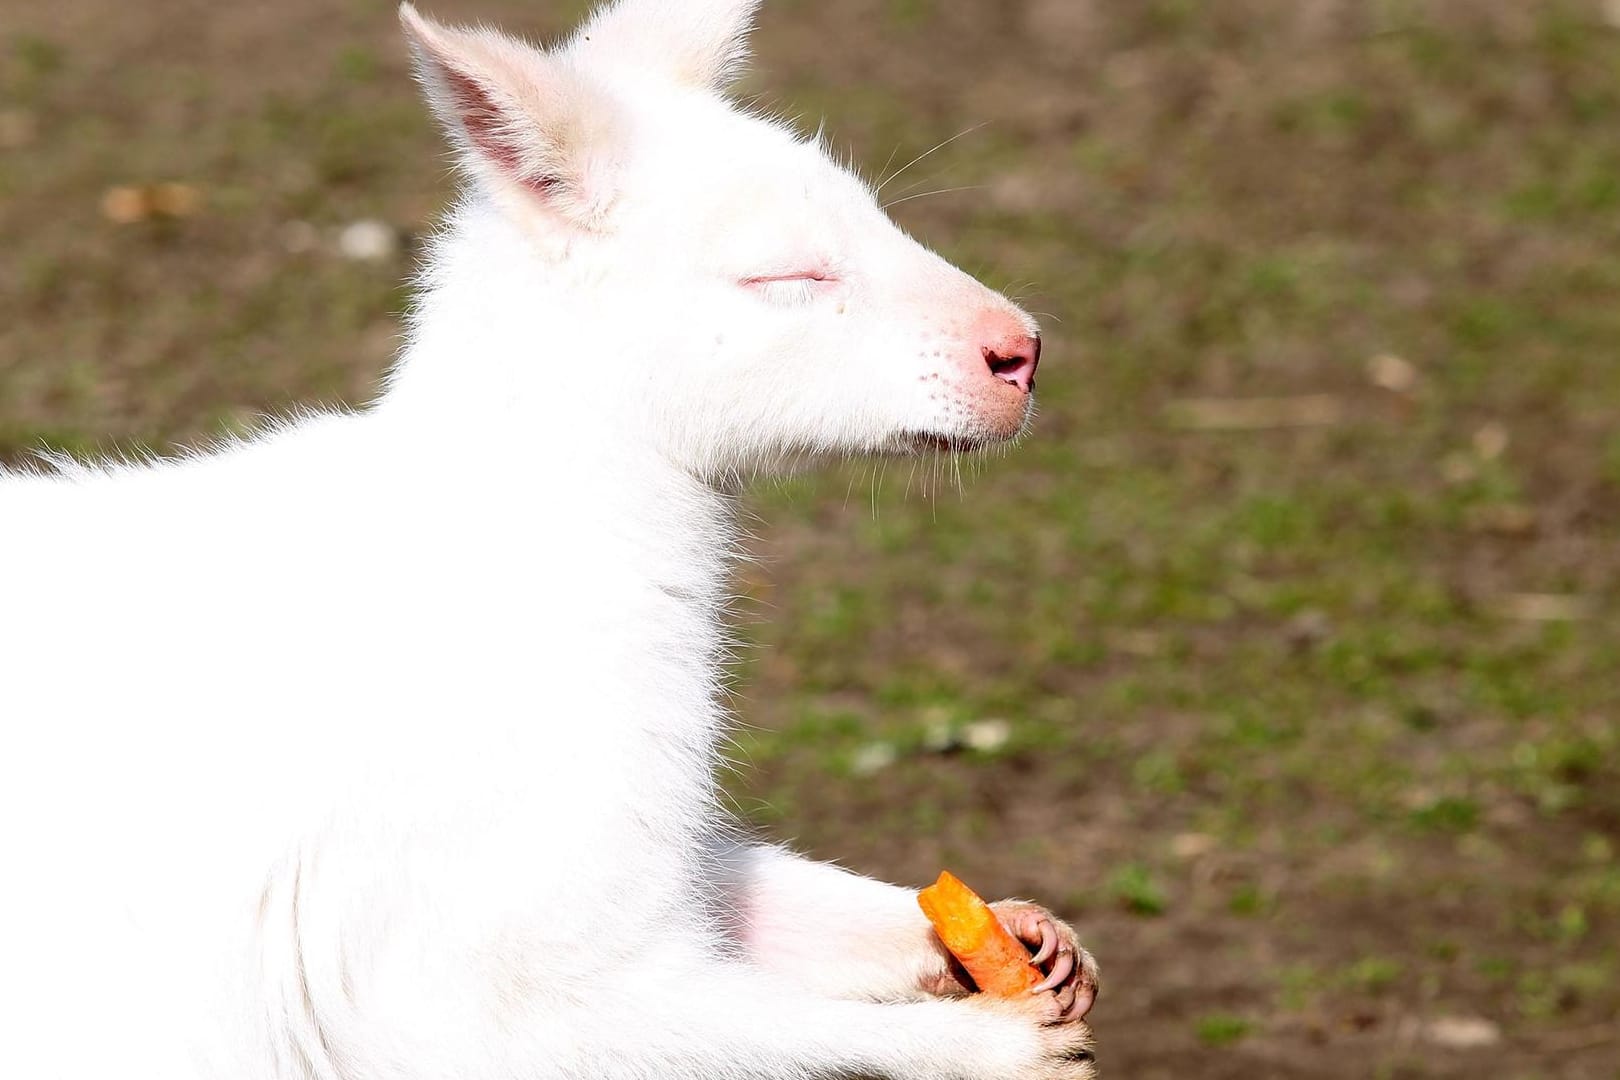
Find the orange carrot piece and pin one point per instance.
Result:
(997, 961)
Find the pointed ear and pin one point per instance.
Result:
(526, 122)
(696, 42)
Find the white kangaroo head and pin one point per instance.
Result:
(732, 293)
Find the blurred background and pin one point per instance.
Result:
(1283, 657)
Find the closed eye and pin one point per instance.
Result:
(803, 275)
(788, 289)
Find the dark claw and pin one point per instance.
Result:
(1062, 968)
(1049, 943)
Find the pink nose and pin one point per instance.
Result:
(1014, 361)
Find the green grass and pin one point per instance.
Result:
(1219, 1029)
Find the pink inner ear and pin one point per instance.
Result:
(489, 129)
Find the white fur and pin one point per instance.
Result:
(381, 744)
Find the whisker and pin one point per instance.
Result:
(890, 161)
(940, 191)
(941, 455)
(921, 182)
(885, 183)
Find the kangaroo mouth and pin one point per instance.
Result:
(922, 442)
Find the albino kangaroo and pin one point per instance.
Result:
(382, 745)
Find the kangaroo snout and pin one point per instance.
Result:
(993, 362)
(1014, 360)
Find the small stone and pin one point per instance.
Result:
(1392, 373)
(367, 241)
(1192, 845)
(1491, 441)
(986, 736)
(1462, 1032)
(873, 758)
(1543, 607)
(130, 203)
(1611, 12)
(125, 205)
